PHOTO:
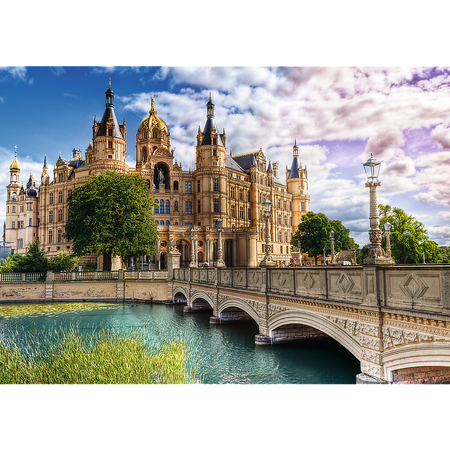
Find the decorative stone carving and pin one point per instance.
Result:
(369, 342)
(345, 283)
(413, 286)
(273, 309)
(371, 356)
(371, 369)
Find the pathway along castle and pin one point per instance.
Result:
(226, 186)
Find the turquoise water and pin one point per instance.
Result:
(227, 353)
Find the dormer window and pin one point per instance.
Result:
(110, 132)
(155, 134)
(214, 141)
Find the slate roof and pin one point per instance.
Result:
(245, 160)
(209, 125)
(293, 173)
(231, 164)
(109, 112)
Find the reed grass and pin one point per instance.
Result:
(66, 355)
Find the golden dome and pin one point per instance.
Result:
(15, 163)
(152, 120)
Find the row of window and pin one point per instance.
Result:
(163, 207)
(60, 197)
(20, 224)
(50, 236)
(60, 216)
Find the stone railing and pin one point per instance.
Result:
(83, 276)
(406, 287)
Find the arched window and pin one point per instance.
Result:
(162, 222)
(167, 207)
(156, 207)
(175, 185)
(167, 222)
(144, 154)
(161, 206)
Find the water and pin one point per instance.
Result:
(228, 352)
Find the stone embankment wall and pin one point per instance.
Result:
(109, 286)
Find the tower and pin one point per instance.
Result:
(297, 185)
(12, 201)
(109, 142)
(210, 182)
(154, 158)
(45, 178)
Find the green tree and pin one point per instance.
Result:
(409, 238)
(64, 262)
(112, 214)
(314, 234)
(33, 260)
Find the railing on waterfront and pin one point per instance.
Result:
(11, 277)
(20, 277)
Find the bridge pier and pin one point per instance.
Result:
(230, 317)
(290, 333)
(196, 308)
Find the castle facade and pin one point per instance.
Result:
(187, 203)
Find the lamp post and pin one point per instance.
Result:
(299, 246)
(387, 228)
(332, 247)
(324, 256)
(423, 254)
(375, 254)
(268, 259)
(220, 262)
(193, 263)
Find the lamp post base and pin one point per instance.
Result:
(267, 263)
(379, 261)
(220, 264)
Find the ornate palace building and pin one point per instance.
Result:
(226, 186)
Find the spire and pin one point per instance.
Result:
(210, 108)
(45, 162)
(14, 167)
(295, 150)
(152, 109)
(269, 168)
(109, 96)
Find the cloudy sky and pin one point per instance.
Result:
(337, 115)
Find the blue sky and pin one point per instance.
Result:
(338, 116)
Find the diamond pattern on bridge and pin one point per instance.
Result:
(345, 283)
(308, 281)
(413, 286)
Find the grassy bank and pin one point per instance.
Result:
(68, 356)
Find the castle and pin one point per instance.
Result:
(225, 186)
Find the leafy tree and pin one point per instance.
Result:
(112, 214)
(64, 262)
(409, 238)
(33, 260)
(314, 234)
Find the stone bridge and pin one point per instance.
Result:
(395, 320)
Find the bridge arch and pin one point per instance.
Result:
(201, 295)
(318, 322)
(424, 354)
(236, 302)
(179, 290)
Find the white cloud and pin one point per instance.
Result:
(16, 73)
(441, 135)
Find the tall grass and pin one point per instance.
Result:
(65, 355)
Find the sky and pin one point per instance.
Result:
(337, 115)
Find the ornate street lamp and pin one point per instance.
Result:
(387, 228)
(299, 246)
(268, 259)
(220, 262)
(332, 247)
(375, 254)
(193, 263)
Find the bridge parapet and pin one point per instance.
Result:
(415, 287)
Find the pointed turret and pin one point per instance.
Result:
(109, 116)
(294, 166)
(210, 127)
(45, 178)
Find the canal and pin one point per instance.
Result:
(226, 354)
